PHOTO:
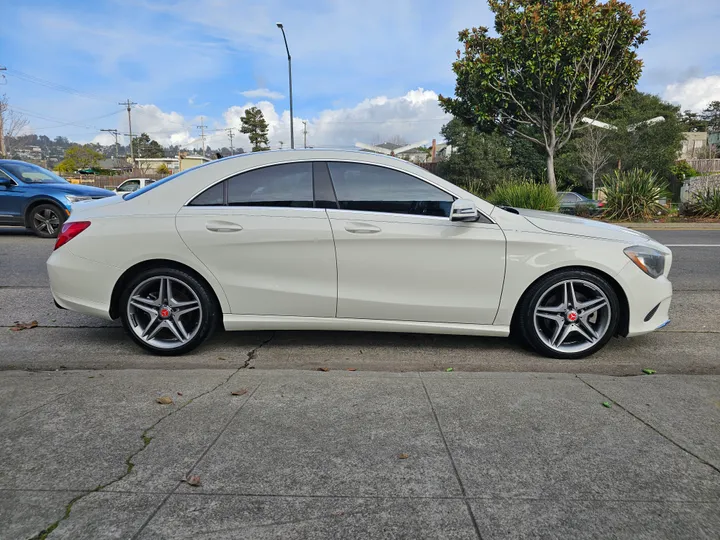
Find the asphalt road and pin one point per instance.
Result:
(65, 340)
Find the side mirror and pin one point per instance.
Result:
(6, 182)
(464, 210)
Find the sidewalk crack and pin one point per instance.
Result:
(147, 439)
(656, 430)
(452, 462)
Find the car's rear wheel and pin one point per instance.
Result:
(569, 314)
(45, 220)
(168, 311)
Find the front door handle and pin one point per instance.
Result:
(223, 226)
(361, 228)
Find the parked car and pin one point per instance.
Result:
(339, 240)
(38, 199)
(132, 184)
(574, 203)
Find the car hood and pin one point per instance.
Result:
(77, 189)
(564, 224)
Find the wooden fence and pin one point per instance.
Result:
(704, 166)
(107, 181)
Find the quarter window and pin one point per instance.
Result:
(371, 188)
(287, 185)
(212, 196)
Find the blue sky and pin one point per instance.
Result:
(363, 71)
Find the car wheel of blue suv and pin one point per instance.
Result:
(46, 220)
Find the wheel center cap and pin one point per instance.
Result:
(572, 316)
(164, 312)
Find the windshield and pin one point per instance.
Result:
(32, 174)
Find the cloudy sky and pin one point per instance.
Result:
(362, 71)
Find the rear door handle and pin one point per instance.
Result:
(223, 226)
(361, 228)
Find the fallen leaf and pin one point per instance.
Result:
(193, 480)
(164, 400)
(221, 358)
(240, 392)
(23, 326)
(403, 456)
(449, 369)
(648, 371)
(352, 369)
(607, 404)
(323, 369)
(179, 393)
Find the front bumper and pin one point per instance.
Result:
(648, 300)
(81, 285)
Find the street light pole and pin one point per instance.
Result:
(292, 134)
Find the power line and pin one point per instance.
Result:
(114, 132)
(54, 86)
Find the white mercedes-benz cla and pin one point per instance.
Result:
(338, 240)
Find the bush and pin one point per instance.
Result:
(682, 170)
(525, 195)
(705, 204)
(633, 195)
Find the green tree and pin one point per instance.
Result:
(634, 144)
(552, 62)
(692, 121)
(711, 115)
(79, 157)
(478, 159)
(144, 146)
(256, 128)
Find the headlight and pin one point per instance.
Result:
(72, 199)
(649, 260)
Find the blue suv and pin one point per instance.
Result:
(38, 199)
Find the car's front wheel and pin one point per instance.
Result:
(45, 220)
(168, 311)
(569, 314)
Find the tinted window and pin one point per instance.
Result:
(32, 174)
(288, 185)
(569, 198)
(377, 189)
(212, 196)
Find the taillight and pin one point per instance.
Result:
(70, 231)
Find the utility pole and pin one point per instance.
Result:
(202, 127)
(2, 127)
(230, 134)
(114, 132)
(129, 105)
(304, 133)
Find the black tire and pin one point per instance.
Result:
(46, 220)
(528, 330)
(207, 321)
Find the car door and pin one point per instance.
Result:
(400, 257)
(261, 236)
(12, 199)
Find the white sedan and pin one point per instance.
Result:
(338, 240)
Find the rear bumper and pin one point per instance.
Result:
(80, 284)
(648, 299)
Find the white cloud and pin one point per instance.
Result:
(694, 94)
(414, 117)
(262, 93)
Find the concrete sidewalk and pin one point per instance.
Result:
(306, 454)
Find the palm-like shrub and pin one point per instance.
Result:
(633, 195)
(705, 203)
(525, 194)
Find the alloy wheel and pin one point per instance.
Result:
(46, 221)
(572, 316)
(164, 312)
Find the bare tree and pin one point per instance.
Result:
(593, 153)
(398, 139)
(11, 125)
